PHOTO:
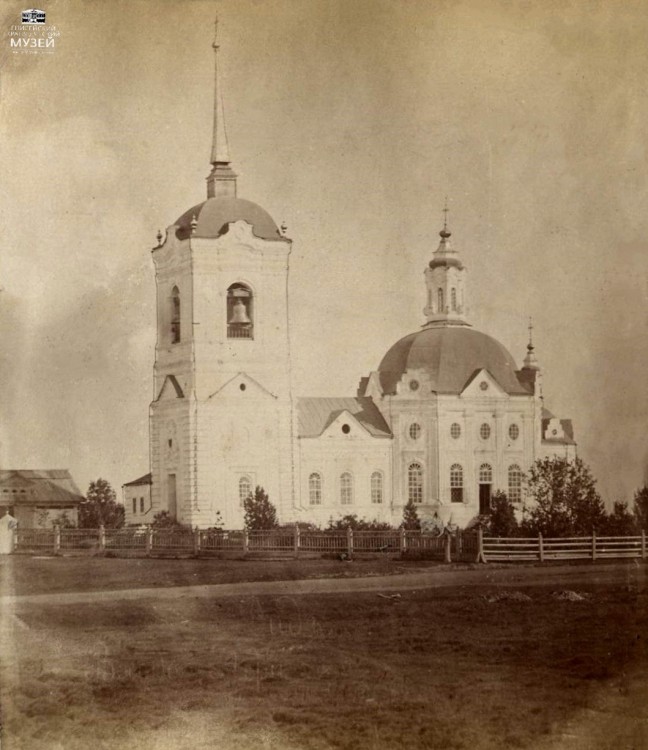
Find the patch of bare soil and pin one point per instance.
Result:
(436, 668)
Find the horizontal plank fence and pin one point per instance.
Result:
(467, 546)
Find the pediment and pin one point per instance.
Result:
(338, 423)
(481, 384)
(242, 386)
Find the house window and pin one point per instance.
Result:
(455, 430)
(377, 488)
(515, 483)
(456, 483)
(141, 505)
(134, 505)
(485, 474)
(240, 312)
(415, 483)
(315, 489)
(346, 489)
(440, 300)
(453, 298)
(245, 489)
(514, 432)
(415, 431)
(175, 315)
(485, 431)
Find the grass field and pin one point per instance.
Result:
(456, 667)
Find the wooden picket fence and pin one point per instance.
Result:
(467, 546)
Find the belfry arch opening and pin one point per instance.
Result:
(240, 312)
(175, 316)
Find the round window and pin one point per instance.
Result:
(483, 385)
(455, 430)
(242, 386)
(484, 431)
(346, 429)
(415, 431)
(414, 384)
(514, 432)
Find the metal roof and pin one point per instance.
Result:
(146, 479)
(316, 414)
(39, 487)
(213, 215)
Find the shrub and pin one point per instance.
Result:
(351, 521)
(260, 513)
(501, 520)
(411, 520)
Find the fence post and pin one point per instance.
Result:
(480, 546)
(402, 540)
(149, 541)
(459, 542)
(246, 542)
(446, 548)
(540, 547)
(349, 541)
(643, 544)
(196, 541)
(102, 537)
(57, 539)
(296, 540)
(593, 545)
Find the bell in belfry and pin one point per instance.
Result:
(239, 313)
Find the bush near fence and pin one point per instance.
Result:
(467, 546)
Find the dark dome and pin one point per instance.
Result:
(214, 214)
(450, 355)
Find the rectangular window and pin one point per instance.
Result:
(456, 494)
(141, 505)
(134, 505)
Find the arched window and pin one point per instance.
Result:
(346, 489)
(377, 488)
(440, 300)
(485, 474)
(515, 483)
(240, 319)
(245, 489)
(175, 315)
(315, 489)
(456, 483)
(415, 483)
(453, 298)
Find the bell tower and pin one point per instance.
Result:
(221, 421)
(445, 280)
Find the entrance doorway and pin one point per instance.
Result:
(485, 484)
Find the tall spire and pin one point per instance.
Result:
(222, 179)
(530, 361)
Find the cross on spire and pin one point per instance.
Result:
(444, 232)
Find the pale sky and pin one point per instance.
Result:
(350, 120)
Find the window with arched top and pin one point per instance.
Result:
(377, 487)
(346, 488)
(456, 483)
(485, 474)
(240, 312)
(514, 483)
(440, 300)
(315, 489)
(245, 489)
(175, 315)
(453, 298)
(415, 483)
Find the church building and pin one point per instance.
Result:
(445, 420)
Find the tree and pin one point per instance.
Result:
(100, 507)
(621, 522)
(164, 520)
(260, 513)
(641, 507)
(501, 520)
(411, 520)
(565, 500)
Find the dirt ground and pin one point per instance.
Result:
(484, 665)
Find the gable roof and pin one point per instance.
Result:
(146, 479)
(316, 414)
(568, 429)
(39, 487)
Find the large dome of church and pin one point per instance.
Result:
(213, 215)
(450, 355)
